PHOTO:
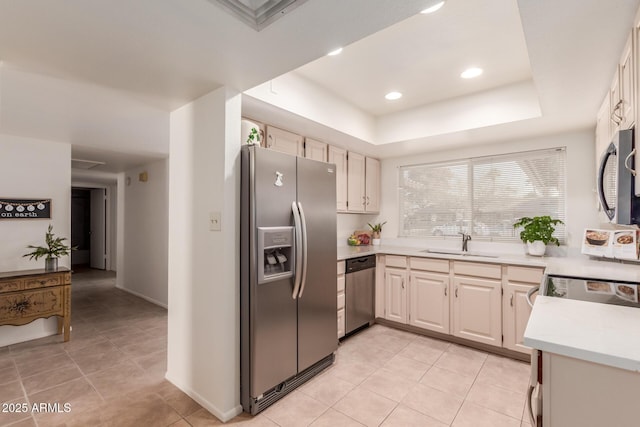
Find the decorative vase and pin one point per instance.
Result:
(536, 248)
(51, 264)
(375, 238)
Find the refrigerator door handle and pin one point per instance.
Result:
(298, 250)
(304, 249)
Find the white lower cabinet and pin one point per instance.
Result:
(341, 298)
(429, 301)
(477, 312)
(515, 309)
(477, 301)
(395, 295)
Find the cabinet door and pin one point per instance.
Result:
(285, 142)
(477, 312)
(615, 103)
(339, 157)
(395, 296)
(429, 301)
(627, 94)
(356, 197)
(315, 150)
(603, 135)
(341, 323)
(515, 311)
(372, 185)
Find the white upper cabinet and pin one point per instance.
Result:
(372, 185)
(363, 183)
(338, 156)
(285, 142)
(315, 150)
(627, 85)
(356, 197)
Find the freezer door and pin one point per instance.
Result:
(272, 325)
(317, 306)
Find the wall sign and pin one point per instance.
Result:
(25, 208)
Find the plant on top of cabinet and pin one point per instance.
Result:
(254, 137)
(537, 233)
(55, 248)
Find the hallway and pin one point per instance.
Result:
(111, 372)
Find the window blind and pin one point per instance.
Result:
(482, 196)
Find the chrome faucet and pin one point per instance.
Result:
(465, 241)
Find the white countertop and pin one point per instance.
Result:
(599, 333)
(574, 265)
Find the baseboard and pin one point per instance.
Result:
(223, 416)
(144, 297)
(456, 340)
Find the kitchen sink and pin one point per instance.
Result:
(460, 253)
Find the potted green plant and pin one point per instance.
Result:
(537, 233)
(55, 248)
(253, 137)
(376, 229)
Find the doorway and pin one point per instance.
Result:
(89, 228)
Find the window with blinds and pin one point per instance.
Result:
(482, 196)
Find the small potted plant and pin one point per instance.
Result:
(376, 229)
(537, 233)
(253, 137)
(55, 248)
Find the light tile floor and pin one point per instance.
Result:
(112, 374)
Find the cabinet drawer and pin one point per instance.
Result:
(341, 283)
(524, 274)
(429, 264)
(44, 282)
(341, 267)
(478, 269)
(11, 285)
(340, 301)
(396, 261)
(29, 304)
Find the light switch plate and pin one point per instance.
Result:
(215, 221)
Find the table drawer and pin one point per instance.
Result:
(31, 304)
(11, 285)
(44, 282)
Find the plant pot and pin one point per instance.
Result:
(536, 248)
(375, 242)
(51, 264)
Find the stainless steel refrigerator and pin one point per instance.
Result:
(288, 304)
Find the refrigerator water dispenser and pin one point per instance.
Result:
(276, 252)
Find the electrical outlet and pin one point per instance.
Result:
(215, 221)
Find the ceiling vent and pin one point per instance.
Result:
(85, 164)
(258, 14)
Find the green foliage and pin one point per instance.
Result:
(377, 228)
(538, 228)
(254, 136)
(55, 247)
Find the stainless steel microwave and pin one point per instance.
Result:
(616, 182)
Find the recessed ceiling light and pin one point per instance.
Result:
(338, 51)
(392, 96)
(433, 8)
(470, 73)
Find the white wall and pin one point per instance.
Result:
(204, 306)
(146, 233)
(348, 223)
(581, 198)
(33, 169)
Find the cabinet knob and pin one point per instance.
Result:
(402, 283)
(511, 300)
(445, 291)
(456, 292)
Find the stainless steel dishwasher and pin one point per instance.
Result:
(359, 292)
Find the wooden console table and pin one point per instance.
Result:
(34, 294)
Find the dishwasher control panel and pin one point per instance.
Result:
(361, 263)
